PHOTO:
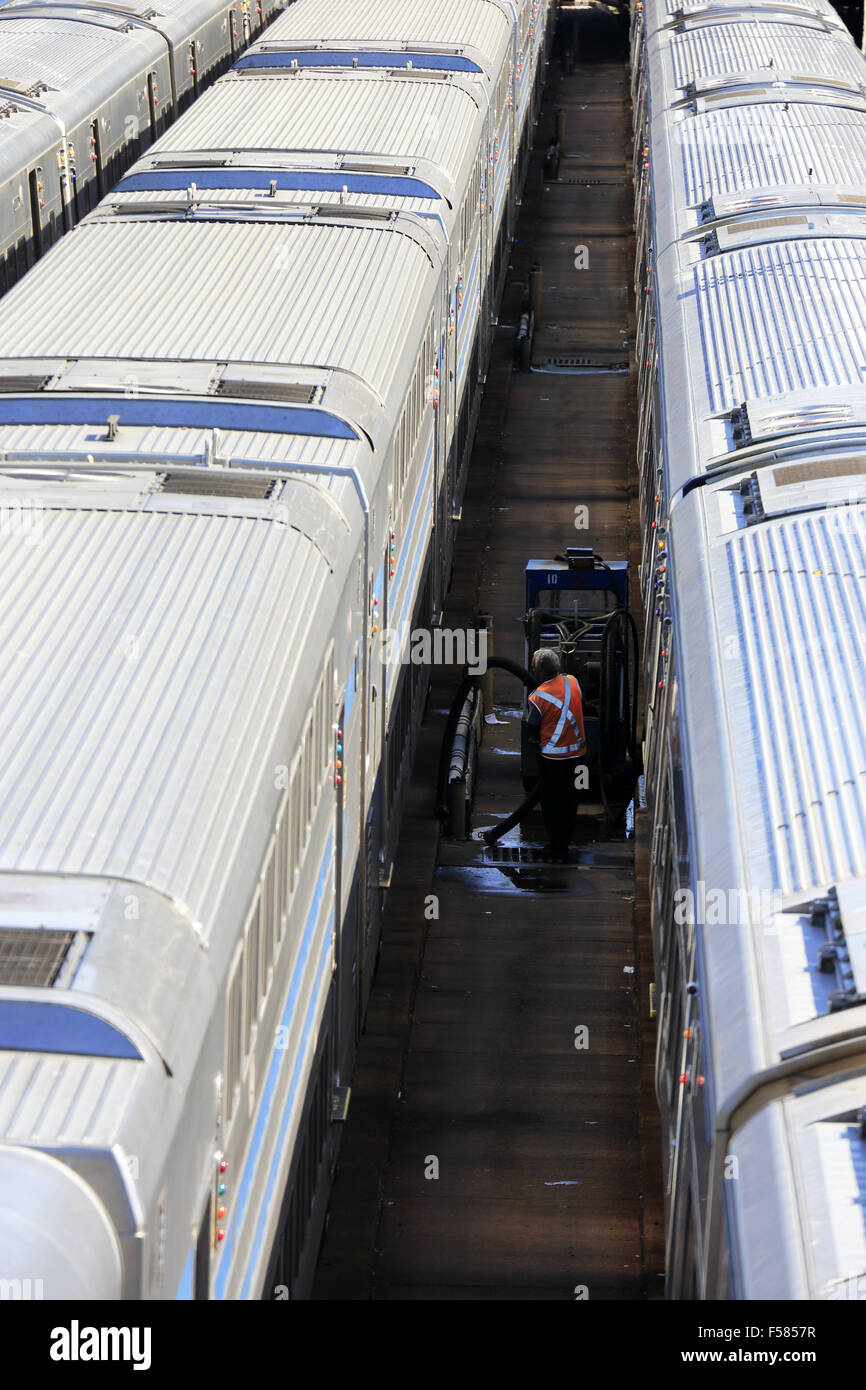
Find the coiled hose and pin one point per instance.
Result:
(499, 663)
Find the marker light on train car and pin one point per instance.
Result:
(221, 1211)
(223, 1165)
(221, 1190)
(221, 1235)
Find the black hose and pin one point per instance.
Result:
(493, 834)
(498, 663)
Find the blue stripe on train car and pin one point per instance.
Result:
(28, 1025)
(244, 1189)
(209, 414)
(169, 180)
(323, 58)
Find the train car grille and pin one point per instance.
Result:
(292, 393)
(32, 957)
(213, 484)
(12, 385)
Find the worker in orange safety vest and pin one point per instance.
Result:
(555, 729)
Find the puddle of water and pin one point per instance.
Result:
(629, 820)
(510, 879)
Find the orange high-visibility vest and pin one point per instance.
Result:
(560, 704)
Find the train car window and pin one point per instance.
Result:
(327, 708)
(234, 1034)
(315, 748)
(309, 774)
(672, 1041)
(282, 873)
(268, 915)
(297, 827)
(251, 976)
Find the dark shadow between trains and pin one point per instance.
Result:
(597, 34)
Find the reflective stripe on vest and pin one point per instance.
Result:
(553, 748)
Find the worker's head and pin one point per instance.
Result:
(545, 665)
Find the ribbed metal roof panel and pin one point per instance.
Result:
(782, 317)
(726, 50)
(388, 116)
(798, 700)
(66, 56)
(135, 713)
(833, 1159)
(816, 7)
(66, 1100)
(767, 146)
(462, 23)
(337, 296)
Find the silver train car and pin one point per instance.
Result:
(750, 186)
(84, 88)
(225, 480)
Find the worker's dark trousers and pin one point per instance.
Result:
(559, 798)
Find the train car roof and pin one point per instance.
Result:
(406, 133)
(177, 19)
(760, 225)
(134, 738)
(70, 67)
(771, 691)
(345, 294)
(659, 14)
(706, 55)
(479, 26)
(803, 1154)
